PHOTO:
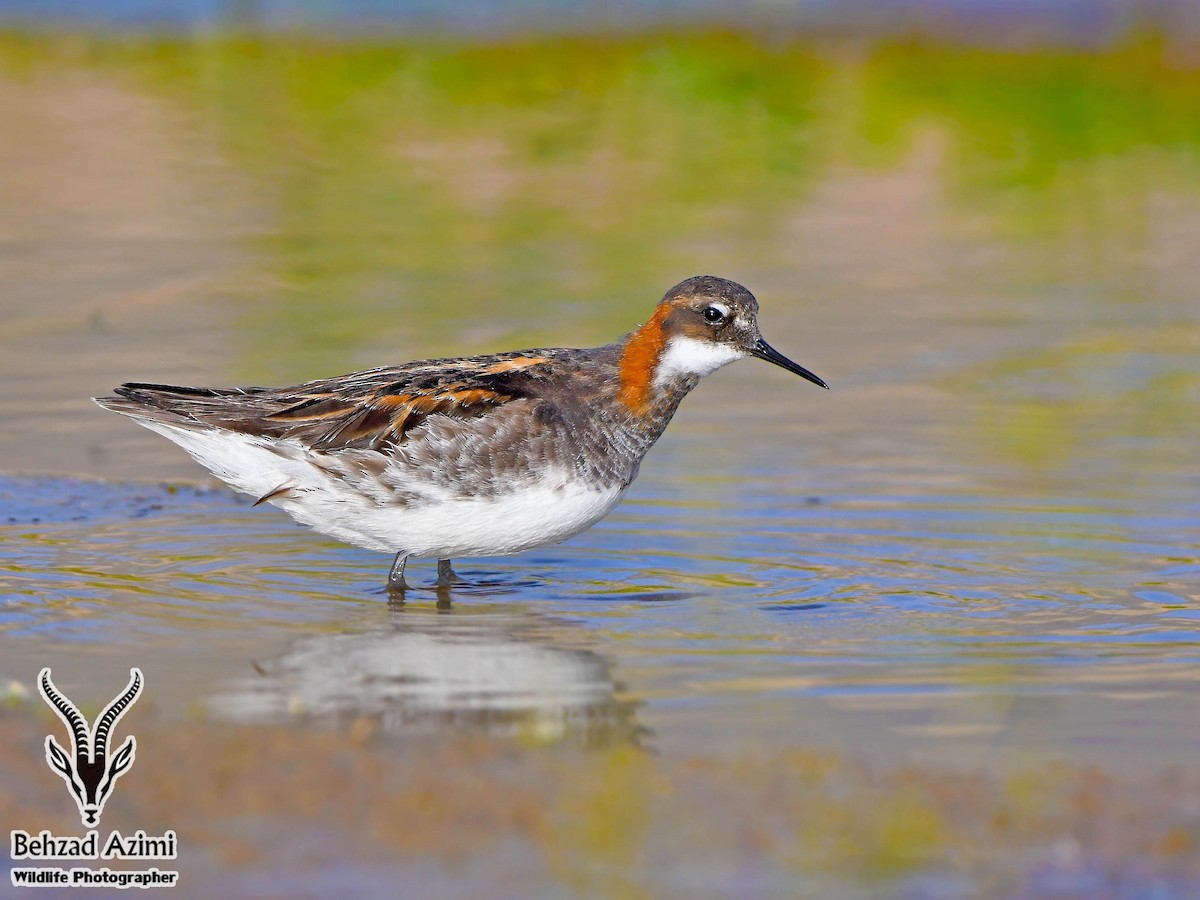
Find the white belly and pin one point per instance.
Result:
(553, 509)
(530, 517)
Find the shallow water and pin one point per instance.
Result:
(930, 628)
(980, 550)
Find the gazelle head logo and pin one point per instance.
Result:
(91, 774)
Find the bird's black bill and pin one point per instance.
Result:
(763, 350)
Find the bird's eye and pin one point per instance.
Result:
(714, 315)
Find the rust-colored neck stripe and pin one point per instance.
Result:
(639, 359)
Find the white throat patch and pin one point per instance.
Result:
(688, 356)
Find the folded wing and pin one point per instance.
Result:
(374, 410)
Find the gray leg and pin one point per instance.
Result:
(446, 574)
(396, 582)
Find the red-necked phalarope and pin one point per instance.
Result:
(476, 456)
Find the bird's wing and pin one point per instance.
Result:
(371, 410)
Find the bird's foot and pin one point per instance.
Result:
(396, 585)
(446, 575)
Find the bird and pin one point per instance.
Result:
(473, 456)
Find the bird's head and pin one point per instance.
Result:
(701, 324)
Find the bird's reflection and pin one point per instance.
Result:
(499, 668)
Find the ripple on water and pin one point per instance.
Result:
(919, 618)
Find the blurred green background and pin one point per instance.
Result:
(552, 178)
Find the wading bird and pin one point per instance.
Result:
(476, 456)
